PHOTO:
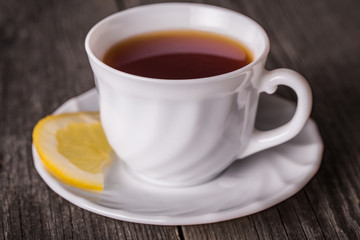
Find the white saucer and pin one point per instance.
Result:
(247, 186)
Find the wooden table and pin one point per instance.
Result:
(43, 63)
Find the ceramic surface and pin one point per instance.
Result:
(247, 186)
(174, 132)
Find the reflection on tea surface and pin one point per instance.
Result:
(178, 54)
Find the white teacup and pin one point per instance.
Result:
(185, 132)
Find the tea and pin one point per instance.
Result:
(178, 54)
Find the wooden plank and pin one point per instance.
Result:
(222, 230)
(322, 47)
(317, 39)
(43, 63)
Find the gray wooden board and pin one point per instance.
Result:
(43, 63)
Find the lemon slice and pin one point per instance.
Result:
(73, 148)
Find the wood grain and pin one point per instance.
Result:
(317, 39)
(43, 63)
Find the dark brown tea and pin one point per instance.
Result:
(178, 54)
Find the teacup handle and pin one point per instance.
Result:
(261, 140)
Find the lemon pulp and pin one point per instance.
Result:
(73, 148)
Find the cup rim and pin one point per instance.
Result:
(214, 78)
